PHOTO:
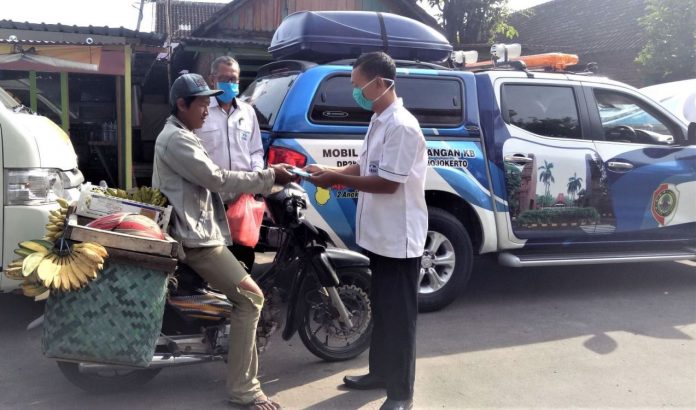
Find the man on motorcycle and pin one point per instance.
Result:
(184, 172)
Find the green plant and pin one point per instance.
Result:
(559, 215)
(670, 50)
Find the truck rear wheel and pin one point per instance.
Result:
(446, 263)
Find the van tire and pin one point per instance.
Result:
(445, 228)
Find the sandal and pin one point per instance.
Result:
(260, 403)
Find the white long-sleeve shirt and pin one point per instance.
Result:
(233, 140)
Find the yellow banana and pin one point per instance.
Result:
(32, 290)
(60, 261)
(84, 265)
(100, 250)
(63, 203)
(47, 244)
(17, 263)
(64, 281)
(90, 254)
(23, 252)
(57, 281)
(43, 296)
(32, 262)
(48, 268)
(34, 246)
(81, 276)
(14, 273)
(75, 282)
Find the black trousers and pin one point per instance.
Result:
(394, 299)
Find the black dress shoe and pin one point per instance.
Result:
(390, 404)
(366, 382)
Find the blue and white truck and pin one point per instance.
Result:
(541, 167)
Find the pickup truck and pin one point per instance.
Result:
(531, 158)
(540, 168)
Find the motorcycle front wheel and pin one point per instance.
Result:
(108, 381)
(320, 328)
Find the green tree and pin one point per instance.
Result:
(574, 185)
(546, 176)
(473, 21)
(670, 32)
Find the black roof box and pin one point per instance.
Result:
(323, 36)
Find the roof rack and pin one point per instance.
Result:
(284, 66)
(399, 63)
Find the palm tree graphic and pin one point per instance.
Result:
(574, 185)
(546, 176)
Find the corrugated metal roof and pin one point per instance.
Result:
(186, 16)
(581, 27)
(145, 38)
(204, 41)
(54, 43)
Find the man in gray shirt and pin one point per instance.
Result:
(192, 182)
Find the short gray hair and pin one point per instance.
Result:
(226, 60)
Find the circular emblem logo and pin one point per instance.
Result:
(664, 203)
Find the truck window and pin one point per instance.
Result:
(266, 95)
(627, 119)
(435, 102)
(546, 110)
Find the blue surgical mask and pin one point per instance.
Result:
(231, 90)
(363, 101)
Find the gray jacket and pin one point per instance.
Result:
(184, 172)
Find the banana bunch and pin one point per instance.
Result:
(146, 195)
(117, 193)
(43, 267)
(56, 221)
(66, 270)
(32, 286)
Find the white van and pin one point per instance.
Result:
(38, 165)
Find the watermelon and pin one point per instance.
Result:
(140, 225)
(130, 224)
(108, 222)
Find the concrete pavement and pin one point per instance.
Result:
(596, 337)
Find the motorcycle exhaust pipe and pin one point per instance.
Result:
(158, 362)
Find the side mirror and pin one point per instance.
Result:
(691, 134)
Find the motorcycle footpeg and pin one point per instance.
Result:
(174, 348)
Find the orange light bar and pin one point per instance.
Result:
(553, 61)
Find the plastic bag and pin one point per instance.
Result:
(244, 217)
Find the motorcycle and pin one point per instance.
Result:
(325, 290)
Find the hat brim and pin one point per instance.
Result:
(209, 93)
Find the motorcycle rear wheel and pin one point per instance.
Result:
(108, 382)
(320, 329)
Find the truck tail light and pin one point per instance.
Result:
(280, 155)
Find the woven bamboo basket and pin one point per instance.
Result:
(115, 319)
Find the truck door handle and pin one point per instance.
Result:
(619, 166)
(518, 159)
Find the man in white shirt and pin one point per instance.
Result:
(391, 225)
(231, 133)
